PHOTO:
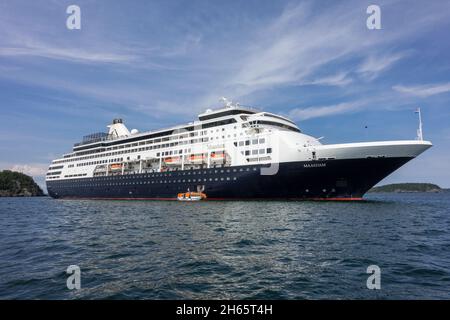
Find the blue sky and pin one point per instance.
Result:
(160, 63)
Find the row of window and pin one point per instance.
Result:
(257, 159)
(168, 136)
(159, 140)
(162, 146)
(54, 173)
(256, 151)
(152, 182)
(165, 153)
(101, 162)
(173, 173)
(175, 152)
(75, 175)
(55, 167)
(253, 141)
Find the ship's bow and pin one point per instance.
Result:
(357, 167)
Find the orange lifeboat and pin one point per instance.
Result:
(172, 160)
(116, 166)
(196, 157)
(217, 155)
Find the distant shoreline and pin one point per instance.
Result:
(24, 196)
(407, 188)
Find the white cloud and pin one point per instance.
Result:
(299, 45)
(34, 170)
(423, 91)
(339, 79)
(323, 111)
(68, 54)
(373, 66)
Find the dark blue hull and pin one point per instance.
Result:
(330, 179)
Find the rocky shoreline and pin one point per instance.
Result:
(16, 184)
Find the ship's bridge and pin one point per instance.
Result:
(229, 109)
(223, 112)
(249, 116)
(263, 119)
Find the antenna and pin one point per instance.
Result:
(419, 131)
(226, 102)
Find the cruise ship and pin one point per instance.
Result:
(233, 152)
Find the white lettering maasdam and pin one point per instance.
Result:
(314, 165)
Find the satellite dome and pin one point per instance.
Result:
(134, 131)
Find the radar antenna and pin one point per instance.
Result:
(227, 103)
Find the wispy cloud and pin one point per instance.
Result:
(293, 46)
(67, 54)
(299, 45)
(374, 65)
(339, 79)
(323, 111)
(296, 47)
(425, 90)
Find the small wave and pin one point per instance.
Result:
(244, 243)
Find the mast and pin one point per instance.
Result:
(419, 131)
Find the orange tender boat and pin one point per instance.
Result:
(191, 196)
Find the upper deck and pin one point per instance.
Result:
(119, 137)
